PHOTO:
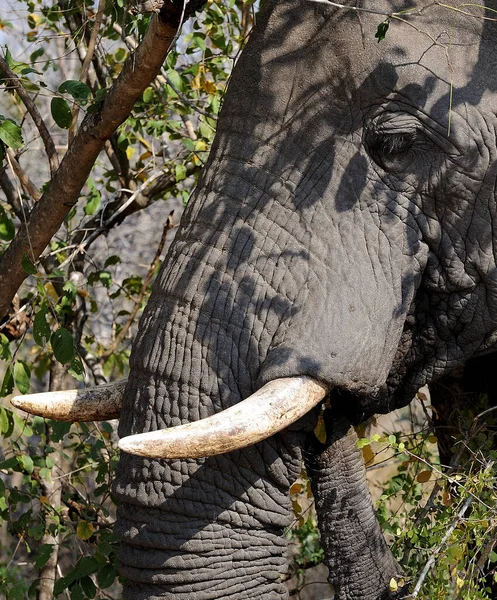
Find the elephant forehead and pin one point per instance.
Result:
(438, 60)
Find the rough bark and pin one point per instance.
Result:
(65, 187)
(359, 560)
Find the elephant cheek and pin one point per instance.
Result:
(347, 321)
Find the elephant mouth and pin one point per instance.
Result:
(274, 407)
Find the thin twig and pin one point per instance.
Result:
(122, 334)
(92, 43)
(431, 560)
(13, 80)
(28, 186)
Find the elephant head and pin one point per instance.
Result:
(342, 232)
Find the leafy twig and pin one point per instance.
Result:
(435, 553)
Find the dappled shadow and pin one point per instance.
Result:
(338, 231)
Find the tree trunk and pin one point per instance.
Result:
(52, 490)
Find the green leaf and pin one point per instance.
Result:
(6, 422)
(27, 463)
(180, 172)
(148, 95)
(7, 229)
(62, 345)
(381, 32)
(176, 79)
(77, 89)
(112, 260)
(88, 587)
(22, 375)
(92, 204)
(77, 592)
(28, 265)
(77, 370)
(84, 531)
(4, 347)
(61, 112)
(106, 576)
(11, 134)
(8, 383)
(41, 329)
(60, 585)
(58, 430)
(43, 554)
(10, 463)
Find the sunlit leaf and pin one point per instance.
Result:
(85, 530)
(10, 134)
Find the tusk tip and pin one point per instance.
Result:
(130, 446)
(17, 402)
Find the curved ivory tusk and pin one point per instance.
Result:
(92, 404)
(274, 407)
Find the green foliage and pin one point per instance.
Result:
(422, 501)
(304, 532)
(156, 155)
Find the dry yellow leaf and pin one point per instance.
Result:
(368, 454)
(295, 488)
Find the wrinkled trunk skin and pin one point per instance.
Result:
(359, 561)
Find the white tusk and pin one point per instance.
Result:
(274, 407)
(92, 404)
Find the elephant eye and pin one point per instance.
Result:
(389, 150)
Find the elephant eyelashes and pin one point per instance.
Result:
(388, 149)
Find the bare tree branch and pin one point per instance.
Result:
(64, 189)
(13, 81)
(119, 209)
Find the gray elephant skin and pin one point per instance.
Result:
(343, 229)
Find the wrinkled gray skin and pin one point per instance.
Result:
(340, 231)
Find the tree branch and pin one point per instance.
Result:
(11, 195)
(13, 81)
(64, 189)
(121, 208)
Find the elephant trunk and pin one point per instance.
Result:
(360, 563)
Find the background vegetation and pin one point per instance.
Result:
(74, 317)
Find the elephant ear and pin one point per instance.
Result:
(91, 404)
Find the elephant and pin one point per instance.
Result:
(340, 241)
